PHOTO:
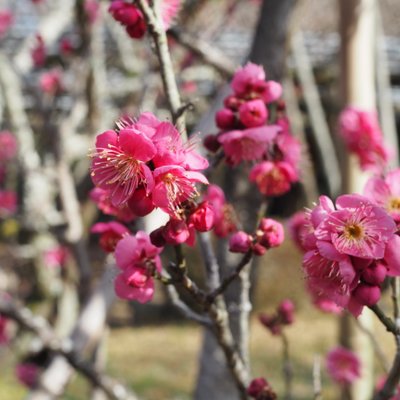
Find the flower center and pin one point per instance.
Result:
(394, 204)
(354, 231)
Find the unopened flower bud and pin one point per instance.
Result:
(240, 242)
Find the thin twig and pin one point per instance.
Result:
(390, 387)
(229, 279)
(386, 321)
(167, 72)
(49, 339)
(185, 309)
(209, 54)
(375, 344)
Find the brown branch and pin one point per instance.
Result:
(86, 334)
(386, 321)
(167, 71)
(229, 279)
(185, 309)
(375, 344)
(390, 387)
(65, 348)
(209, 54)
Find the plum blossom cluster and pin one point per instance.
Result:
(350, 248)
(343, 366)
(143, 165)
(260, 389)
(139, 260)
(283, 316)
(269, 234)
(132, 19)
(254, 128)
(362, 135)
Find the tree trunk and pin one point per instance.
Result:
(214, 379)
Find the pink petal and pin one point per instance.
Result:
(106, 139)
(137, 145)
(126, 252)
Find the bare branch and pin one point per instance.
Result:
(209, 54)
(185, 309)
(65, 348)
(167, 71)
(229, 279)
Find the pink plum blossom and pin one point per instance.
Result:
(273, 178)
(343, 366)
(202, 218)
(225, 220)
(253, 113)
(110, 234)
(138, 259)
(248, 144)
(270, 233)
(8, 146)
(103, 201)
(6, 20)
(128, 15)
(299, 226)
(363, 137)
(225, 119)
(240, 242)
(357, 228)
(119, 163)
(354, 248)
(272, 91)
(173, 185)
(246, 78)
(178, 231)
(385, 192)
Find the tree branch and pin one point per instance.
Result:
(167, 71)
(49, 339)
(209, 54)
(230, 278)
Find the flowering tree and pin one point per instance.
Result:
(150, 167)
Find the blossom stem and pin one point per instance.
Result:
(167, 72)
